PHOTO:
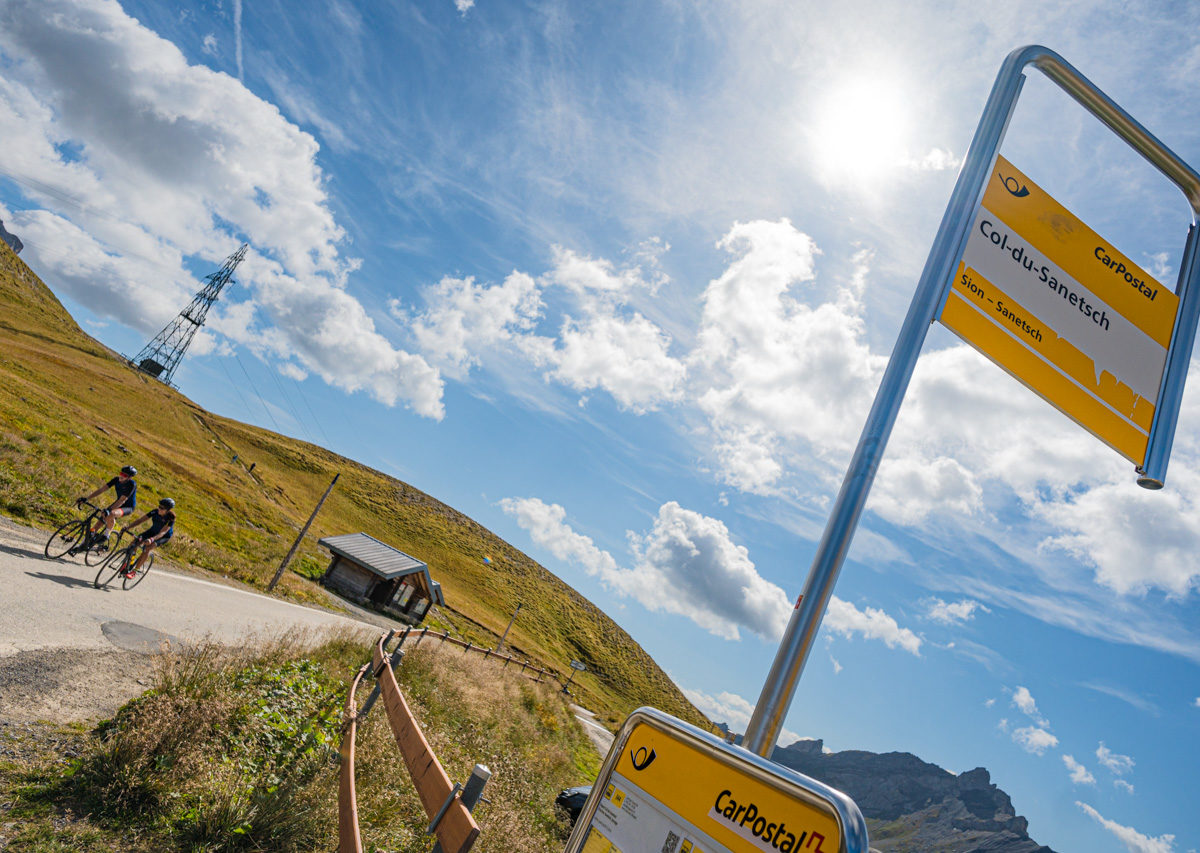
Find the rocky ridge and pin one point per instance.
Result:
(912, 806)
(11, 239)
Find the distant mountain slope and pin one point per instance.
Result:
(71, 412)
(912, 806)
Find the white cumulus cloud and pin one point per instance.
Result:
(844, 618)
(733, 710)
(1079, 773)
(774, 375)
(1023, 700)
(464, 321)
(1034, 739)
(688, 564)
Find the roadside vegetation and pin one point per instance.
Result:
(72, 412)
(235, 750)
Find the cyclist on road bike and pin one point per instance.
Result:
(162, 528)
(124, 504)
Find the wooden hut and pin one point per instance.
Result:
(366, 570)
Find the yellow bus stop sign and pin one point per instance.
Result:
(668, 787)
(1062, 310)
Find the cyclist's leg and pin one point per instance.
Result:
(147, 548)
(110, 520)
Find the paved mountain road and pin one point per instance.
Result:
(58, 633)
(52, 603)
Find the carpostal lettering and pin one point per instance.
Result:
(1030, 265)
(771, 834)
(1118, 268)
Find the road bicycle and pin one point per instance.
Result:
(76, 537)
(121, 562)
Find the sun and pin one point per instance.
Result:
(860, 130)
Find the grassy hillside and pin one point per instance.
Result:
(72, 412)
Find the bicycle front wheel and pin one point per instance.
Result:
(116, 564)
(61, 541)
(131, 582)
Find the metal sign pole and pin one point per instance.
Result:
(1170, 395)
(776, 697)
(932, 290)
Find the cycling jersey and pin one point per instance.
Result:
(128, 490)
(160, 522)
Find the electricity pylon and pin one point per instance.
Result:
(161, 356)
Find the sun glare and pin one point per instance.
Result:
(860, 130)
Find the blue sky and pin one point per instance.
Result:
(619, 281)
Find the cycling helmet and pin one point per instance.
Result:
(129, 471)
(167, 503)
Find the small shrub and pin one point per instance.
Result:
(309, 567)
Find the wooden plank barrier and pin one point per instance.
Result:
(457, 830)
(349, 839)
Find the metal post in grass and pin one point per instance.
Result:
(393, 661)
(576, 666)
(504, 636)
(303, 533)
(472, 793)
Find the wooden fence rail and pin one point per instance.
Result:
(349, 839)
(486, 651)
(457, 829)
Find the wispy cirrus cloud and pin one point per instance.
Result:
(1117, 764)
(1126, 696)
(954, 613)
(1134, 841)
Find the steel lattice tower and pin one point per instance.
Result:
(161, 356)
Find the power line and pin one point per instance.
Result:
(317, 421)
(288, 400)
(255, 390)
(232, 384)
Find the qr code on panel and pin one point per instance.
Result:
(671, 843)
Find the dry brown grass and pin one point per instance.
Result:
(474, 710)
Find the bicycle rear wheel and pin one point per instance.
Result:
(61, 541)
(110, 568)
(96, 554)
(130, 583)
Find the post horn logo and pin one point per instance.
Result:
(1015, 187)
(642, 759)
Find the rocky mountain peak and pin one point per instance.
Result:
(912, 805)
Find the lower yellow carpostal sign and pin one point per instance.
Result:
(1057, 306)
(667, 792)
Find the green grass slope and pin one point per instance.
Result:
(72, 412)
